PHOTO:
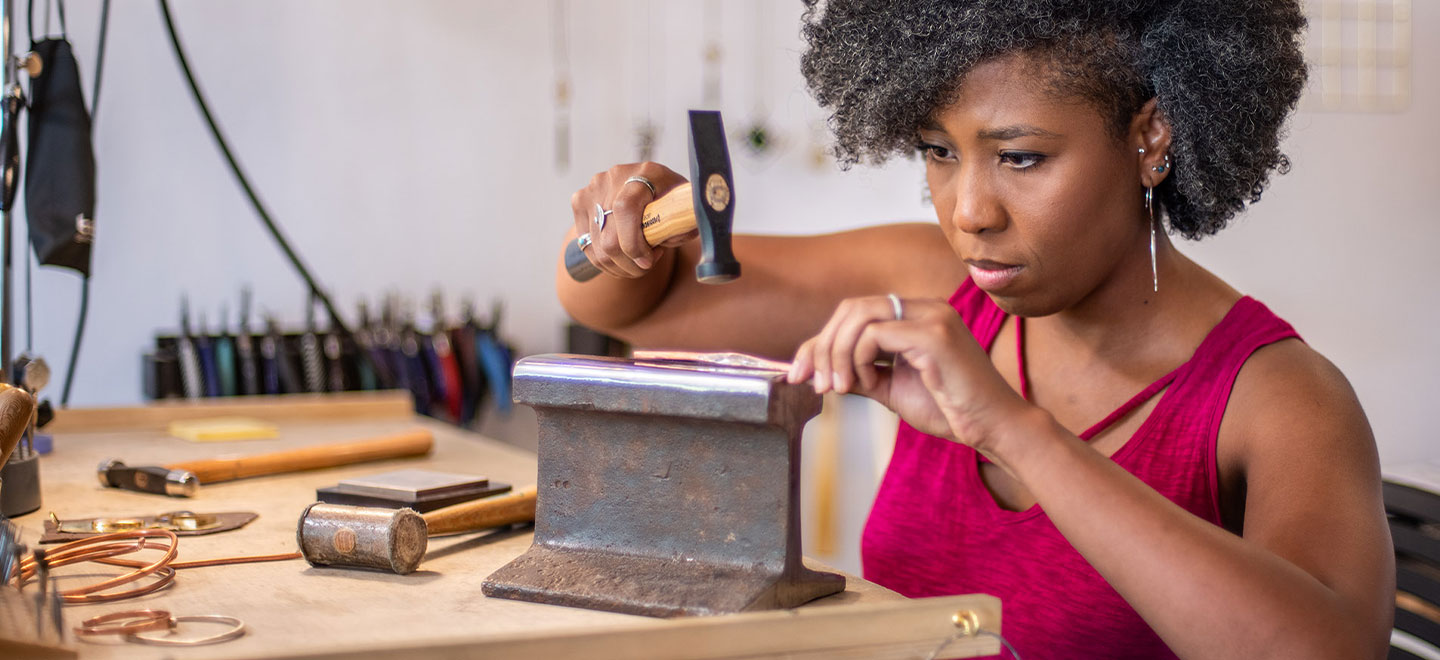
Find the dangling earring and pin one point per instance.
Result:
(1150, 208)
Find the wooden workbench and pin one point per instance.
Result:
(294, 610)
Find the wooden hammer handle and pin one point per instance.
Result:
(515, 507)
(665, 218)
(670, 216)
(409, 443)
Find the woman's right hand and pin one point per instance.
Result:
(619, 248)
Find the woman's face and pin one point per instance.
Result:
(1034, 192)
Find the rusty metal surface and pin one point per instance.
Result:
(664, 489)
(392, 540)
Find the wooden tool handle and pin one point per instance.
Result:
(670, 216)
(16, 407)
(515, 507)
(409, 443)
(665, 218)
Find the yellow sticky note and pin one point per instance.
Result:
(216, 429)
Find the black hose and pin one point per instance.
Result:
(336, 322)
(85, 281)
(99, 61)
(75, 347)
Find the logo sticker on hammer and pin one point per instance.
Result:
(717, 192)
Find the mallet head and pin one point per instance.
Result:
(340, 535)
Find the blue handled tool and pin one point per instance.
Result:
(225, 355)
(209, 370)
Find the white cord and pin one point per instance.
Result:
(1004, 641)
(1413, 645)
(960, 634)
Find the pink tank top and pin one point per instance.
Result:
(935, 529)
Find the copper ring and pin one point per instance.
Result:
(237, 629)
(164, 577)
(143, 620)
(104, 548)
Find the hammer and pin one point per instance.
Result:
(706, 203)
(181, 479)
(395, 539)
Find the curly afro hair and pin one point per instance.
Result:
(1225, 73)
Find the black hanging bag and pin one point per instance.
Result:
(60, 172)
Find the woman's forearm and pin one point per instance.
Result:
(611, 304)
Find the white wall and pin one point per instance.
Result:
(405, 145)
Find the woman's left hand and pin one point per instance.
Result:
(940, 381)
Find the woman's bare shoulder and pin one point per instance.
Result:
(1289, 379)
(1289, 399)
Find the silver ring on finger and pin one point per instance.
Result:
(600, 214)
(896, 306)
(583, 241)
(642, 180)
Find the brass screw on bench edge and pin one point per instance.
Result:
(967, 621)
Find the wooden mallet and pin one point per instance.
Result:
(395, 540)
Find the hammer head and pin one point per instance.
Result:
(714, 192)
(114, 473)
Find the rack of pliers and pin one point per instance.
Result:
(453, 367)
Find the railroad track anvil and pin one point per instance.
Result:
(666, 487)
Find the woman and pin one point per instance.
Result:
(1137, 459)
